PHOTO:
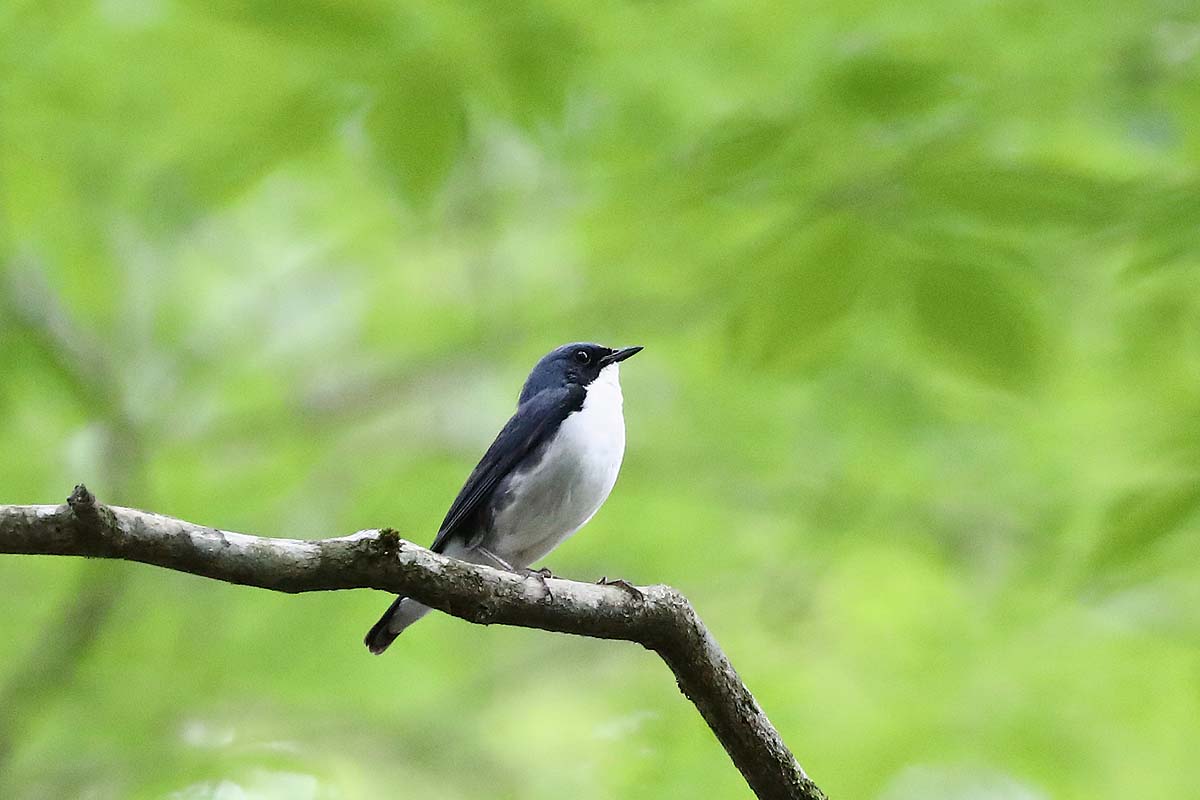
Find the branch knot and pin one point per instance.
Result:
(388, 541)
(82, 501)
(93, 518)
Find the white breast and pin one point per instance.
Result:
(572, 481)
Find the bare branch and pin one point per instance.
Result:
(657, 617)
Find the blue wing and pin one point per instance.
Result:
(536, 419)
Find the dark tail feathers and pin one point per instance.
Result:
(379, 637)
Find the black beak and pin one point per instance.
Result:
(619, 355)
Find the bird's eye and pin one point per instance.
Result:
(582, 356)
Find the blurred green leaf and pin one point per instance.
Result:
(979, 321)
(1139, 518)
(532, 50)
(1031, 197)
(801, 288)
(887, 85)
(417, 122)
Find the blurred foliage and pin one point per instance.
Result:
(917, 426)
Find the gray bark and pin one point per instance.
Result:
(657, 617)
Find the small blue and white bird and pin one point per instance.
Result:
(550, 469)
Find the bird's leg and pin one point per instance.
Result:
(541, 574)
(496, 560)
(623, 584)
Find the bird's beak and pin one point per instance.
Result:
(619, 355)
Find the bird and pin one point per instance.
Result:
(551, 467)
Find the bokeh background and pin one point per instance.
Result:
(917, 426)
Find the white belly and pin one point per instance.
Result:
(567, 487)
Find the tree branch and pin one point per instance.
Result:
(657, 617)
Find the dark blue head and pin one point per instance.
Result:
(577, 364)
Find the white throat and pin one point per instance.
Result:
(604, 393)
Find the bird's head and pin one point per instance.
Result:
(579, 363)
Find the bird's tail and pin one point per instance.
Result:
(403, 611)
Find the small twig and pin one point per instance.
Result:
(83, 505)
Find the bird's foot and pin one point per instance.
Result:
(541, 574)
(623, 584)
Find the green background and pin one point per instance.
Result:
(917, 427)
